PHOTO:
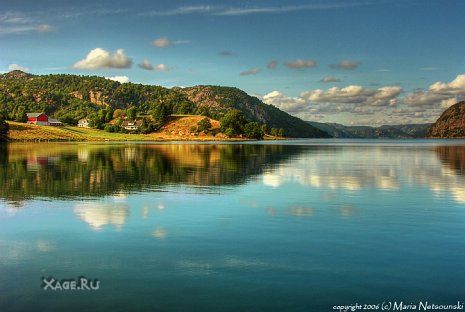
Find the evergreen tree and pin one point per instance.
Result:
(233, 122)
(252, 130)
(204, 124)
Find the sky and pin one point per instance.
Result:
(355, 62)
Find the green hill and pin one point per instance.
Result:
(71, 97)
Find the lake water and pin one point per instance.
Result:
(297, 226)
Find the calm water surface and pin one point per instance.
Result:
(295, 226)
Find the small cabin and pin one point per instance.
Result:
(131, 124)
(37, 119)
(83, 123)
(54, 122)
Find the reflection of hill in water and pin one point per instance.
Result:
(61, 170)
(453, 157)
(87, 170)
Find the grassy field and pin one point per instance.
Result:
(177, 129)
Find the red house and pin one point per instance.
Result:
(37, 119)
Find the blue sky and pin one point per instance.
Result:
(382, 59)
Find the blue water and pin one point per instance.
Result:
(296, 226)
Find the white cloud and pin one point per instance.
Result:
(17, 67)
(285, 103)
(422, 98)
(162, 67)
(164, 42)
(384, 96)
(146, 65)
(120, 79)
(299, 64)
(248, 10)
(252, 71)
(356, 100)
(449, 102)
(16, 23)
(382, 105)
(329, 79)
(99, 58)
(45, 28)
(346, 65)
(184, 10)
(161, 42)
(14, 30)
(456, 86)
(11, 17)
(439, 94)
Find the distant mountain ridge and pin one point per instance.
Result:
(451, 124)
(386, 131)
(72, 97)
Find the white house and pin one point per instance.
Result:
(83, 123)
(131, 124)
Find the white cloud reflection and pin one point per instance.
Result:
(99, 215)
(385, 168)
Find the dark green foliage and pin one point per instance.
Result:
(147, 126)
(68, 120)
(160, 115)
(20, 114)
(131, 112)
(277, 132)
(233, 123)
(110, 128)
(204, 124)
(253, 130)
(100, 118)
(4, 128)
(229, 132)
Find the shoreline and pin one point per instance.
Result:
(22, 132)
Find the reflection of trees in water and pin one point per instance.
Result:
(453, 157)
(51, 170)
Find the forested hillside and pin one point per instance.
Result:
(71, 97)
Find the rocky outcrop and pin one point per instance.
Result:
(451, 124)
(94, 97)
(97, 98)
(16, 74)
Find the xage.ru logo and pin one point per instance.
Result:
(80, 283)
